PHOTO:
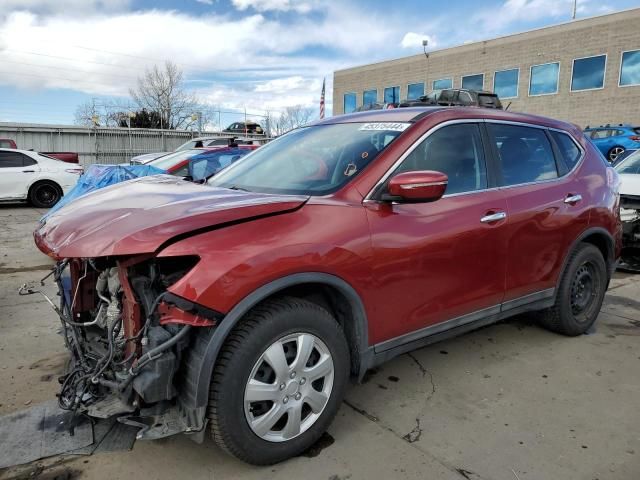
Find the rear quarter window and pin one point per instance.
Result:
(569, 152)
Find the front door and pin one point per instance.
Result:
(442, 260)
(17, 172)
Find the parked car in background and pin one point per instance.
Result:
(245, 127)
(199, 142)
(207, 164)
(204, 142)
(614, 140)
(458, 97)
(629, 172)
(31, 176)
(177, 163)
(251, 300)
(146, 158)
(7, 143)
(69, 157)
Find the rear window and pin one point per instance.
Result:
(569, 151)
(525, 154)
(6, 144)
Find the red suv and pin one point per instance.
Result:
(245, 305)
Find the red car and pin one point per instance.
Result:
(177, 163)
(245, 305)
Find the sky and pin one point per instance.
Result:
(236, 55)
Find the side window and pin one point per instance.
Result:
(569, 151)
(525, 154)
(601, 133)
(455, 150)
(182, 171)
(12, 160)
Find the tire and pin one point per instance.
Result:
(239, 423)
(614, 153)
(580, 294)
(44, 194)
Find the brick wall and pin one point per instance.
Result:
(609, 34)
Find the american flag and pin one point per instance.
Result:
(322, 100)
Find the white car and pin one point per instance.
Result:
(629, 172)
(31, 176)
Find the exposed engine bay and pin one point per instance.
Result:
(129, 341)
(630, 216)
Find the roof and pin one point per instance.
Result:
(413, 114)
(385, 115)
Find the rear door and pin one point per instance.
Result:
(544, 206)
(17, 173)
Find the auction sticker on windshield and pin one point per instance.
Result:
(379, 126)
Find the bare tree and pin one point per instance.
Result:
(292, 117)
(162, 90)
(88, 115)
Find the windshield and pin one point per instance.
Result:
(189, 145)
(169, 160)
(630, 165)
(310, 160)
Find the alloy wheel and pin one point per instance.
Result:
(46, 195)
(289, 387)
(615, 153)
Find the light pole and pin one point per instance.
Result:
(575, 8)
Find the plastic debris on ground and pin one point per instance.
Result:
(43, 431)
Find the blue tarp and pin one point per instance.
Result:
(100, 176)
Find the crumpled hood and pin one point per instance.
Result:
(140, 215)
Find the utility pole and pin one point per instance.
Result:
(575, 9)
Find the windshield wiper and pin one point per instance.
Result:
(236, 187)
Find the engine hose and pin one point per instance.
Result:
(150, 356)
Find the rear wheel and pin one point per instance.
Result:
(45, 194)
(278, 381)
(580, 294)
(614, 153)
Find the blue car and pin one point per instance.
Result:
(614, 140)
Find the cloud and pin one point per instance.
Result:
(300, 6)
(71, 7)
(205, 2)
(494, 21)
(413, 40)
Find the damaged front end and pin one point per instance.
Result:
(131, 341)
(630, 216)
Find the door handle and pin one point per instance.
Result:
(573, 199)
(494, 217)
(28, 171)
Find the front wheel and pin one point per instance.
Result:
(278, 381)
(580, 293)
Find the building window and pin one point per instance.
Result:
(415, 91)
(369, 97)
(392, 95)
(588, 73)
(442, 84)
(505, 83)
(349, 102)
(544, 79)
(630, 68)
(473, 82)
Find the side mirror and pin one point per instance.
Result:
(420, 186)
